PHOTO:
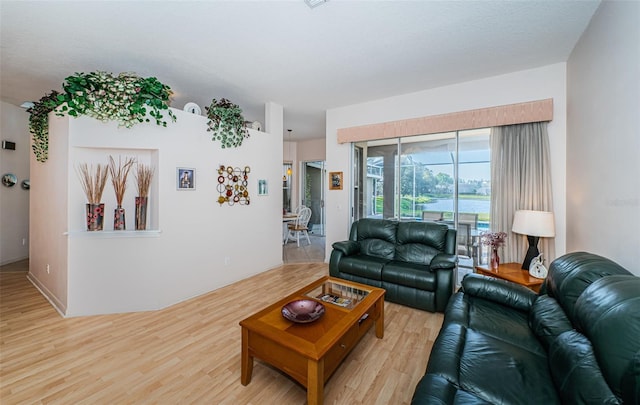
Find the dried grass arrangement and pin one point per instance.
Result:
(144, 175)
(93, 182)
(119, 174)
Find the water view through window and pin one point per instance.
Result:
(440, 177)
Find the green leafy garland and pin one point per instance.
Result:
(125, 98)
(39, 124)
(227, 123)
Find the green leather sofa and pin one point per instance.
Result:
(576, 342)
(413, 261)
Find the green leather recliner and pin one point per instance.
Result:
(413, 261)
(576, 342)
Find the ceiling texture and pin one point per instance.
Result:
(306, 59)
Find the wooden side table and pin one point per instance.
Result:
(512, 272)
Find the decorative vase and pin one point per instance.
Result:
(119, 223)
(141, 213)
(495, 259)
(95, 216)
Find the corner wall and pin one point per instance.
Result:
(603, 136)
(527, 85)
(14, 201)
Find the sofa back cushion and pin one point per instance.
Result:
(608, 314)
(419, 242)
(576, 373)
(571, 274)
(377, 237)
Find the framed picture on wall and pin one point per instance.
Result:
(263, 187)
(335, 180)
(186, 178)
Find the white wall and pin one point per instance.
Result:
(603, 136)
(194, 245)
(14, 201)
(528, 85)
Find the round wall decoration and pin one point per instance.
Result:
(9, 179)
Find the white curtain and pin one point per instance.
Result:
(520, 180)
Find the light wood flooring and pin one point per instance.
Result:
(189, 353)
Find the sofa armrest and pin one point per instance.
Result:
(347, 247)
(443, 261)
(501, 291)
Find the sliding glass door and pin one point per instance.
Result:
(439, 177)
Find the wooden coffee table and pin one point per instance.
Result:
(311, 352)
(514, 273)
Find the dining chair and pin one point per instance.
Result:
(300, 227)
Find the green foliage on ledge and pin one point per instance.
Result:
(126, 98)
(227, 123)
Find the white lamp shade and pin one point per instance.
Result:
(534, 223)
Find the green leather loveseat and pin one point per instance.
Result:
(413, 261)
(576, 342)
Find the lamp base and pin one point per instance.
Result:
(531, 252)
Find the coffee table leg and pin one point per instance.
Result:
(247, 361)
(380, 321)
(315, 382)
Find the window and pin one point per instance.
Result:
(439, 177)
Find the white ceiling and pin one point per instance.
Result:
(308, 60)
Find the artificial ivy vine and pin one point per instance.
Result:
(125, 98)
(227, 123)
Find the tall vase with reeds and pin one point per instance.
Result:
(119, 174)
(144, 175)
(93, 183)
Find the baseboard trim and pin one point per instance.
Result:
(48, 295)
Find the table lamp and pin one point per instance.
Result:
(534, 224)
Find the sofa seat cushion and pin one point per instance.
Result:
(494, 320)
(409, 275)
(368, 267)
(490, 368)
(434, 389)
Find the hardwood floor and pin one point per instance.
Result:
(190, 352)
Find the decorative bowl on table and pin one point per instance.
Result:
(303, 311)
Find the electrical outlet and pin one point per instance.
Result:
(227, 260)
(48, 272)
(24, 241)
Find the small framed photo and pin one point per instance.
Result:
(186, 178)
(335, 180)
(263, 187)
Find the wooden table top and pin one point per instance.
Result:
(313, 339)
(512, 272)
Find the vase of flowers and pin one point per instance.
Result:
(119, 174)
(494, 240)
(143, 176)
(93, 183)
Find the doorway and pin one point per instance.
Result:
(313, 179)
